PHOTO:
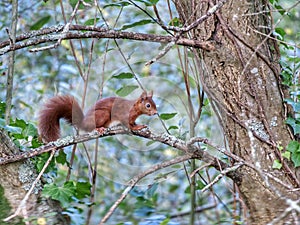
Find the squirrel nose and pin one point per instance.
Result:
(154, 113)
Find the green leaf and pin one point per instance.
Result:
(117, 4)
(19, 123)
(173, 188)
(175, 22)
(286, 155)
(62, 194)
(41, 160)
(2, 108)
(188, 190)
(61, 158)
(167, 116)
(123, 76)
(83, 189)
(280, 9)
(35, 143)
(135, 24)
(200, 185)
(276, 164)
(150, 143)
(148, 2)
(124, 91)
(294, 148)
(280, 33)
(30, 130)
(40, 23)
(91, 22)
(154, 2)
(165, 221)
(173, 128)
(280, 147)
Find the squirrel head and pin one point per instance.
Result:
(146, 104)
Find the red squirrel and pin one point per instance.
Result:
(104, 113)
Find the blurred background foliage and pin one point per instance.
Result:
(162, 196)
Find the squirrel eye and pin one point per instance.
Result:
(148, 105)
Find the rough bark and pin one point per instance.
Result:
(15, 180)
(242, 79)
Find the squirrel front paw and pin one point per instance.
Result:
(100, 130)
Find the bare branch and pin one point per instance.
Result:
(209, 13)
(137, 178)
(11, 64)
(167, 139)
(53, 34)
(199, 209)
(161, 54)
(222, 174)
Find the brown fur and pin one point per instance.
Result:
(104, 112)
(54, 109)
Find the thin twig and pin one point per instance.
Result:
(293, 206)
(222, 174)
(137, 178)
(267, 37)
(199, 209)
(129, 66)
(198, 21)
(11, 64)
(198, 169)
(161, 54)
(93, 169)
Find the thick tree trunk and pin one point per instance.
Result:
(15, 180)
(241, 78)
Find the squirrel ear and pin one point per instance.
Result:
(144, 94)
(150, 94)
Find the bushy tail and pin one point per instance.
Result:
(55, 108)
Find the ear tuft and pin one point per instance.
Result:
(150, 94)
(143, 95)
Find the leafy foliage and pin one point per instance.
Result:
(40, 23)
(24, 134)
(123, 76)
(290, 62)
(139, 23)
(294, 148)
(124, 91)
(276, 164)
(167, 116)
(67, 192)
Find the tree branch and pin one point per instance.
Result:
(11, 64)
(167, 139)
(55, 33)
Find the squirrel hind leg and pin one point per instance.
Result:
(95, 119)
